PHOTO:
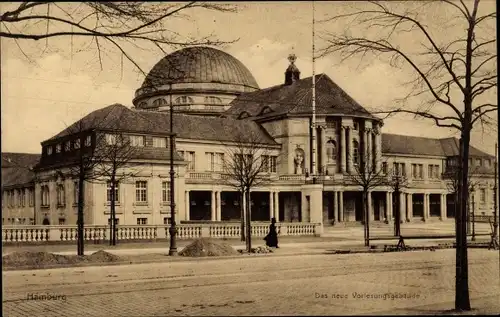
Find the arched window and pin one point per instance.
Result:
(143, 105)
(183, 100)
(355, 152)
(212, 100)
(159, 102)
(331, 151)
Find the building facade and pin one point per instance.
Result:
(219, 111)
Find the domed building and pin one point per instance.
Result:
(197, 80)
(308, 171)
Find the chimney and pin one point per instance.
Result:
(292, 73)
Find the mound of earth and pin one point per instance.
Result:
(40, 259)
(27, 258)
(102, 256)
(207, 247)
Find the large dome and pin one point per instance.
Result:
(199, 65)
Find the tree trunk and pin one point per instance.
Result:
(112, 236)
(367, 208)
(462, 300)
(365, 218)
(242, 216)
(397, 215)
(80, 242)
(249, 221)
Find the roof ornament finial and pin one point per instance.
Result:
(292, 58)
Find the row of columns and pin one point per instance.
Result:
(371, 146)
(406, 200)
(216, 208)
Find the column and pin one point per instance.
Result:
(276, 206)
(271, 205)
(370, 207)
(336, 207)
(388, 206)
(343, 149)
(378, 149)
(409, 206)
(323, 148)
(218, 206)
(365, 156)
(213, 207)
(443, 206)
(341, 206)
(188, 205)
(369, 149)
(350, 164)
(426, 206)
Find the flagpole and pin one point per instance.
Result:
(313, 121)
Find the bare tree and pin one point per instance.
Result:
(397, 181)
(456, 73)
(81, 164)
(248, 162)
(367, 176)
(122, 25)
(114, 158)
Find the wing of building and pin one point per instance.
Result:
(226, 126)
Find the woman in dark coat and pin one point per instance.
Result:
(272, 236)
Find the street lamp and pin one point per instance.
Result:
(173, 229)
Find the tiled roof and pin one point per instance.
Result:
(200, 65)
(17, 168)
(412, 145)
(297, 99)
(120, 118)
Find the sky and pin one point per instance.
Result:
(47, 86)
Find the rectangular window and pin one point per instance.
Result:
(421, 171)
(67, 146)
(117, 221)
(487, 162)
(62, 221)
(23, 197)
(141, 191)
(430, 171)
(478, 162)
(76, 144)
(32, 221)
(220, 163)
(190, 158)
(482, 195)
(137, 140)
(384, 168)
(265, 164)
(166, 220)
(75, 192)
(88, 140)
(273, 163)
(142, 221)
(210, 158)
(109, 192)
(414, 170)
(160, 142)
(111, 139)
(58, 148)
(165, 192)
(49, 150)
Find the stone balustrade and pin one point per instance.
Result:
(98, 234)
